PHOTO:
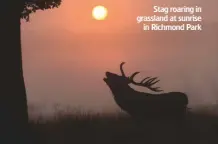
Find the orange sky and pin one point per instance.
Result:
(66, 53)
(76, 15)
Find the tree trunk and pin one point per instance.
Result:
(13, 101)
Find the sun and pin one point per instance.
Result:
(99, 12)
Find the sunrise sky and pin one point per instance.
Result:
(66, 53)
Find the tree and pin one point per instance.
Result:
(13, 100)
(31, 6)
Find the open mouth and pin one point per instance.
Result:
(106, 76)
(105, 79)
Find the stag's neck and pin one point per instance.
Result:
(123, 90)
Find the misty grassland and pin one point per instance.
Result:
(83, 128)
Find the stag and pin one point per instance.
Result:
(152, 108)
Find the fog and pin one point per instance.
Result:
(68, 69)
(66, 55)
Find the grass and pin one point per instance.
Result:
(83, 128)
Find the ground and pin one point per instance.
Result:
(81, 128)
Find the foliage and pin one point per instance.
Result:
(32, 6)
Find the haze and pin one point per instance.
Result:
(66, 54)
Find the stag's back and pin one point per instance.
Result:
(138, 103)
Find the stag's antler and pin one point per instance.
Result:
(150, 81)
(121, 69)
(146, 82)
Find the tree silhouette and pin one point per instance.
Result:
(13, 100)
(31, 6)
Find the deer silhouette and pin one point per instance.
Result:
(148, 108)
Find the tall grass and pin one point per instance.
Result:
(83, 128)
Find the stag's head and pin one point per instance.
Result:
(119, 81)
